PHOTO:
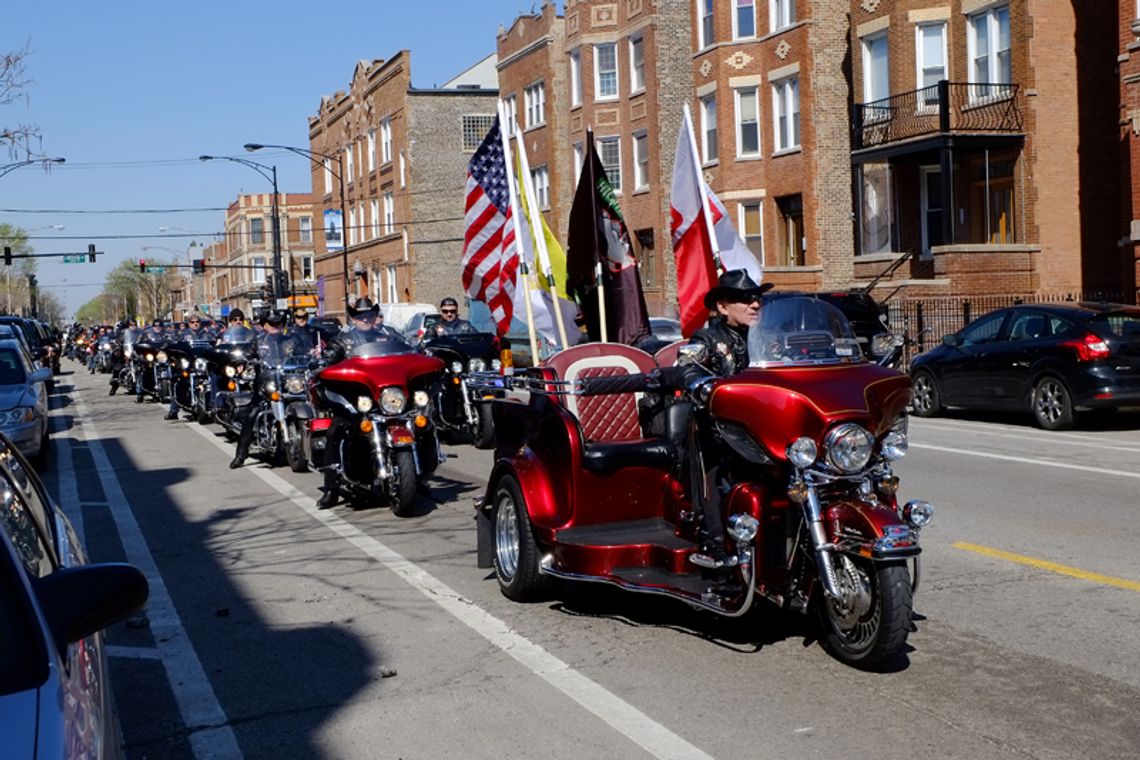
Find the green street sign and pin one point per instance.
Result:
(79, 258)
(155, 270)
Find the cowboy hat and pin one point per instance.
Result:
(363, 306)
(734, 285)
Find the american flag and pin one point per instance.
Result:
(490, 256)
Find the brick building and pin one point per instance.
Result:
(982, 142)
(1129, 135)
(402, 153)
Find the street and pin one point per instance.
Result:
(276, 630)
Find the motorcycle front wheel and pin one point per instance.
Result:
(867, 628)
(404, 495)
(484, 435)
(295, 450)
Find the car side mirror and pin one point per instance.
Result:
(41, 375)
(951, 340)
(79, 601)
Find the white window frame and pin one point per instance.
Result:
(706, 23)
(636, 67)
(258, 272)
(385, 141)
(740, 226)
(989, 17)
(348, 166)
(393, 293)
(598, 96)
(615, 141)
(352, 226)
(305, 229)
(640, 160)
(510, 107)
(308, 273)
(540, 177)
(785, 95)
(708, 106)
(375, 204)
(781, 14)
(871, 84)
(736, 8)
(327, 164)
(920, 63)
(389, 213)
(576, 77)
(579, 159)
(403, 170)
(534, 96)
(740, 152)
(256, 237)
(371, 150)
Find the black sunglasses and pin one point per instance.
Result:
(449, 311)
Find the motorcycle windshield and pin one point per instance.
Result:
(237, 334)
(132, 336)
(384, 346)
(275, 350)
(801, 330)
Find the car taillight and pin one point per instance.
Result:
(1089, 348)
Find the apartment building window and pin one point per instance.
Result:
(876, 77)
(352, 226)
(372, 150)
(988, 50)
(575, 78)
(258, 263)
(792, 244)
(256, 231)
(930, 64)
(786, 107)
(640, 161)
(534, 97)
(708, 128)
(305, 225)
(348, 163)
(307, 268)
(541, 179)
(510, 108)
(605, 71)
(328, 175)
(744, 19)
(385, 141)
(391, 281)
(992, 198)
(389, 213)
(705, 27)
(751, 227)
(636, 63)
(403, 170)
(375, 204)
(609, 151)
(748, 122)
(781, 13)
(578, 160)
(475, 128)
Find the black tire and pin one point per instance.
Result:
(875, 638)
(483, 436)
(203, 417)
(925, 398)
(40, 458)
(1051, 404)
(295, 451)
(427, 449)
(404, 495)
(516, 554)
(164, 391)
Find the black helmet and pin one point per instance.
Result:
(236, 313)
(275, 318)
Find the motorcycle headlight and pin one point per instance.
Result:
(150, 357)
(271, 387)
(802, 452)
(392, 400)
(295, 384)
(895, 443)
(249, 373)
(161, 357)
(849, 447)
(476, 365)
(496, 365)
(230, 370)
(184, 363)
(128, 351)
(201, 365)
(420, 398)
(457, 367)
(364, 404)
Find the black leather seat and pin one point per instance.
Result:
(657, 453)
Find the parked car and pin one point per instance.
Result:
(663, 328)
(1052, 360)
(419, 324)
(55, 698)
(24, 401)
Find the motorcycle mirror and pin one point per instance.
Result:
(693, 353)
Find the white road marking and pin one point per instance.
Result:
(69, 487)
(133, 653)
(985, 428)
(623, 717)
(210, 733)
(1027, 460)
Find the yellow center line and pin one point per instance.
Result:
(1074, 572)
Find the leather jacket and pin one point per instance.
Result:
(727, 346)
(343, 344)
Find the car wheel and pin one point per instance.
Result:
(1052, 404)
(924, 397)
(39, 459)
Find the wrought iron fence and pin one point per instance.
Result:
(923, 321)
(940, 108)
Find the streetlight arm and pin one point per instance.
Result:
(306, 152)
(8, 168)
(261, 169)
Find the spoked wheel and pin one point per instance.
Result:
(295, 450)
(1052, 405)
(404, 491)
(924, 398)
(516, 553)
(868, 626)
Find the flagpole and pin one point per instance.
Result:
(541, 253)
(512, 194)
(706, 212)
(598, 279)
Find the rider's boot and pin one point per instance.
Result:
(331, 490)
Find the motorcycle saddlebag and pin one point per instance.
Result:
(318, 454)
(235, 401)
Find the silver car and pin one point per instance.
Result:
(55, 699)
(24, 401)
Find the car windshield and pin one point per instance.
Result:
(11, 368)
(801, 330)
(386, 346)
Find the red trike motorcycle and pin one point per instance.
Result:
(791, 459)
(371, 420)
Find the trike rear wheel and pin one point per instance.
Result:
(516, 553)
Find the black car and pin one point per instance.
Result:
(1050, 359)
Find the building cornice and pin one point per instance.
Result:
(538, 44)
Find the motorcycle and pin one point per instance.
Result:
(293, 379)
(104, 354)
(371, 420)
(191, 386)
(792, 457)
(232, 370)
(460, 406)
(152, 368)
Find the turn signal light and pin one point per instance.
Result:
(275, 396)
(366, 426)
(455, 380)
(508, 361)
(421, 421)
(232, 386)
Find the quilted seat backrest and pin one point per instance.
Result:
(603, 418)
(667, 356)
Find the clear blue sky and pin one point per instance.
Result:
(131, 93)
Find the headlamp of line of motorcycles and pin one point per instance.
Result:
(249, 373)
(150, 357)
(230, 370)
(392, 400)
(161, 357)
(496, 365)
(895, 443)
(457, 367)
(294, 384)
(201, 365)
(849, 447)
(270, 387)
(476, 365)
(184, 363)
(420, 398)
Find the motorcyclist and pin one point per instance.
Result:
(367, 327)
(451, 324)
(97, 336)
(273, 347)
(196, 335)
(304, 334)
(128, 335)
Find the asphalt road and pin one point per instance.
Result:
(277, 631)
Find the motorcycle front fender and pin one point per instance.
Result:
(300, 410)
(870, 530)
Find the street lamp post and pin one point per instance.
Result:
(311, 155)
(269, 173)
(7, 168)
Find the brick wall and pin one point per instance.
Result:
(1129, 142)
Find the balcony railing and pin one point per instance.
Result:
(943, 108)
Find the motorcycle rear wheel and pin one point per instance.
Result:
(516, 552)
(404, 498)
(869, 631)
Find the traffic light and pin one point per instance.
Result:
(198, 266)
(142, 266)
(7, 256)
(91, 253)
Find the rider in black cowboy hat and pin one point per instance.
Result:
(736, 300)
(367, 326)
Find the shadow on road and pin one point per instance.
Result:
(1108, 420)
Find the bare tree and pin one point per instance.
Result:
(19, 138)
